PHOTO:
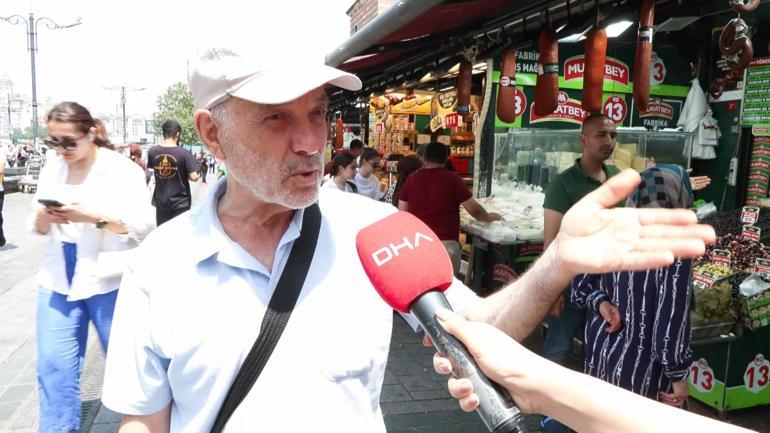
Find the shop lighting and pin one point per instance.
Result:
(613, 30)
(616, 29)
(446, 89)
(425, 78)
(577, 37)
(454, 69)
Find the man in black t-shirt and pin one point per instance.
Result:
(173, 167)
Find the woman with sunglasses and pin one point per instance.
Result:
(95, 204)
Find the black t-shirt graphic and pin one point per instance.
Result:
(171, 166)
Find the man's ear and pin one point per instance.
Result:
(208, 131)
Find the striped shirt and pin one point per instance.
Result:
(652, 348)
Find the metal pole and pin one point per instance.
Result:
(10, 122)
(32, 49)
(123, 105)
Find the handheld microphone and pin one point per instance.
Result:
(410, 269)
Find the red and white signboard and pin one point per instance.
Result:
(451, 120)
(568, 110)
(614, 70)
(702, 376)
(658, 108)
(615, 108)
(757, 374)
(520, 102)
(657, 70)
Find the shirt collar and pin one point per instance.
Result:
(211, 239)
(583, 173)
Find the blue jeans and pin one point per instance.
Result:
(62, 330)
(558, 340)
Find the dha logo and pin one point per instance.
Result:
(388, 252)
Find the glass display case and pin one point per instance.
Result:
(536, 156)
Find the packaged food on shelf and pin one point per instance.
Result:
(715, 302)
(755, 301)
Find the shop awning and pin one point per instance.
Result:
(415, 37)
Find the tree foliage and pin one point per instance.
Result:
(177, 104)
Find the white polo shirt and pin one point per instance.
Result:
(189, 311)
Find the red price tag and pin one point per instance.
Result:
(751, 233)
(615, 108)
(451, 120)
(750, 215)
(761, 266)
(704, 279)
(702, 376)
(757, 374)
(721, 257)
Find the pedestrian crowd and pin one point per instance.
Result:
(205, 311)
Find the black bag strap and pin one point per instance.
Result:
(277, 315)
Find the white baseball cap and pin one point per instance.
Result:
(268, 76)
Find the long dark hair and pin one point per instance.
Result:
(72, 112)
(406, 166)
(340, 161)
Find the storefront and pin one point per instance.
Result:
(514, 161)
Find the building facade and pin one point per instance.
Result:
(363, 11)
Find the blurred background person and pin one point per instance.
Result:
(367, 183)
(101, 199)
(342, 171)
(173, 168)
(405, 167)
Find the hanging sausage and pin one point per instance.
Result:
(744, 6)
(464, 77)
(593, 77)
(547, 86)
(643, 55)
(506, 93)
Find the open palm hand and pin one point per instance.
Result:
(596, 238)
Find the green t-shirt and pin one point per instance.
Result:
(222, 170)
(572, 185)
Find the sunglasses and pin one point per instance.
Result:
(65, 143)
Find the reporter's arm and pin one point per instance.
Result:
(158, 422)
(587, 404)
(584, 403)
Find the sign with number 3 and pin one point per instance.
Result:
(702, 376)
(757, 374)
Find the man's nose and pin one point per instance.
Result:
(307, 137)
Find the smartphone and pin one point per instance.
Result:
(50, 203)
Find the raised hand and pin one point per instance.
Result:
(597, 238)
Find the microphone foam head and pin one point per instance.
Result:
(404, 259)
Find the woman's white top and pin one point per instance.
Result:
(114, 187)
(331, 184)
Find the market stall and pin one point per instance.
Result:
(731, 314)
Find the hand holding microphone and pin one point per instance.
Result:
(410, 269)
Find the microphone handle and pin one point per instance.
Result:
(496, 408)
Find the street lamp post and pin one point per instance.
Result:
(32, 24)
(123, 104)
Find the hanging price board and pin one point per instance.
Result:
(702, 376)
(751, 233)
(721, 257)
(757, 374)
(750, 215)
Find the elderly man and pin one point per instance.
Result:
(187, 317)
